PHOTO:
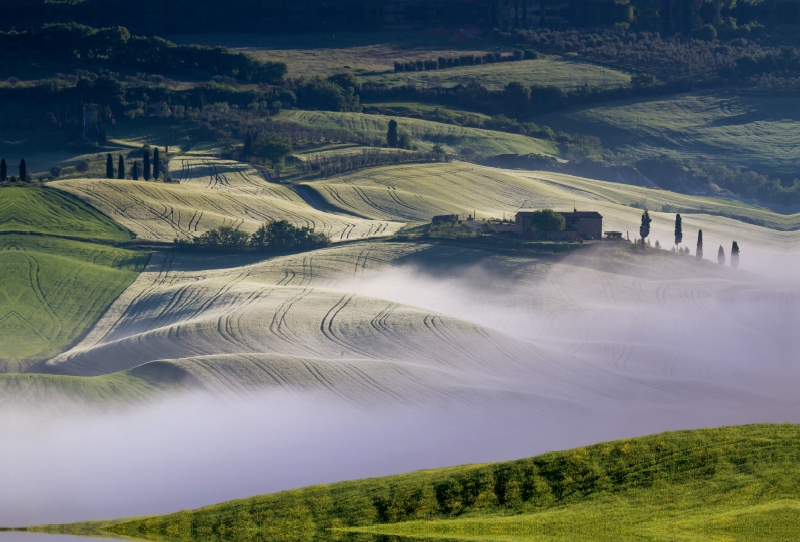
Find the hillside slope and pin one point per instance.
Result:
(732, 483)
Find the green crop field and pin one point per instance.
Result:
(548, 70)
(51, 290)
(50, 212)
(759, 131)
(426, 133)
(732, 483)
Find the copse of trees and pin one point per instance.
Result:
(327, 165)
(547, 220)
(117, 48)
(327, 94)
(277, 236)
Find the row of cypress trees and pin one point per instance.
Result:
(146, 170)
(23, 170)
(644, 231)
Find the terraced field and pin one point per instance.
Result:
(51, 290)
(212, 193)
(426, 133)
(751, 130)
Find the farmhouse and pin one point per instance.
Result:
(584, 224)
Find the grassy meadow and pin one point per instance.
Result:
(52, 290)
(731, 483)
(425, 133)
(748, 129)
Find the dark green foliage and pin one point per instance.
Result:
(331, 164)
(271, 146)
(721, 255)
(326, 95)
(644, 227)
(735, 255)
(3, 170)
(547, 220)
(516, 99)
(156, 163)
(442, 63)
(678, 229)
(541, 483)
(278, 236)
(135, 171)
(391, 135)
(282, 236)
(109, 167)
(699, 252)
(146, 165)
(23, 171)
(121, 167)
(117, 48)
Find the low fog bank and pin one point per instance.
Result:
(622, 355)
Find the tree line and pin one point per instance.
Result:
(276, 236)
(115, 48)
(328, 165)
(147, 169)
(443, 63)
(644, 232)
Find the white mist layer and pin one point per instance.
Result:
(623, 356)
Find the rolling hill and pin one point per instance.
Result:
(211, 193)
(732, 483)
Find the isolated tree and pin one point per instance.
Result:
(273, 147)
(109, 167)
(547, 220)
(644, 228)
(391, 135)
(121, 167)
(135, 171)
(699, 244)
(3, 170)
(23, 171)
(156, 163)
(721, 255)
(678, 230)
(146, 168)
(735, 255)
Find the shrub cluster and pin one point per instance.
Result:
(327, 165)
(442, 63)
(278, 236)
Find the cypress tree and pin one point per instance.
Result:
(121, 167)
(3, 170)
(156, 163)
(735, 255)
(699, 244)
(135, 171)
(23, 171)
(644, 229)
(109, 167)
(391, 135)
(146, 168)
(678, 230)
(721, 255)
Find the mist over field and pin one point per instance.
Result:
(621, 354)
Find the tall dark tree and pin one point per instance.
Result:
(721, 255)
(735, 255)
(135, 171)
(23, 171)
(121, 167)
(3, 170)
(391, 135)
(156, 163)
(109, 167)
(678, 230)
(146, 163)
(644, 228)
(699, 244)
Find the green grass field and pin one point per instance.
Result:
(51, 290)
(734, 483)
(50, 212)
(752, 130)
(549, 70)
(426, 133)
